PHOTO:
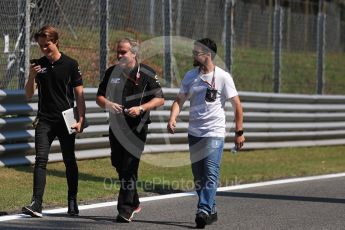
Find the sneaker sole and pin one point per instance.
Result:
(31, 213)
(135, 212)
(121, 219)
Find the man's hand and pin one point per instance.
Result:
(34, 70)
(239, 141)
(113, 107)
(171, 127)
(134, 111)
(78, 127)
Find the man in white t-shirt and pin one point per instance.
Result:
(207, 87)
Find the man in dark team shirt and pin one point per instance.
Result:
(58, 80)
(129, 91)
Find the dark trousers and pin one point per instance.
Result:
(126, 149)
(45, 133)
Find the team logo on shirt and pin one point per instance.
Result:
(79, 71)
(115, 80)
(157, 80)
(43, 70)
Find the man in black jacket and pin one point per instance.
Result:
(129, 91)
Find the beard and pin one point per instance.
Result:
(122, 61)
(196, 63)
(125, 63)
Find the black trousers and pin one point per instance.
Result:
(126, 149)
(45, 133)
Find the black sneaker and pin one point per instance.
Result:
(127, 218)
(212, 218)
(122, 219)
(201, 219)
(73, 206)
(34, 209)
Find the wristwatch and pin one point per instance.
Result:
(239, 133)
(141, 109)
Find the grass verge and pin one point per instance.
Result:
(98, 180)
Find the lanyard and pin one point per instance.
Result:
(212, 85)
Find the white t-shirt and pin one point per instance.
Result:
(207, 119)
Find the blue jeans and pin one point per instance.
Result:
(206, 154)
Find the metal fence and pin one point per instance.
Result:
(290, 46)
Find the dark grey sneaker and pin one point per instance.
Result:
(73, 206)
(212, 218)
(34, 209)
(203, 219)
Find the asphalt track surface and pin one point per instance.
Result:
(301, 203)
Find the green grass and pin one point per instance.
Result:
(98, 180)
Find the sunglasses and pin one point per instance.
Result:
(197, 53)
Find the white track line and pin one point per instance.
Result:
(184, 194)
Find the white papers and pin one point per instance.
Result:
(71, 117)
